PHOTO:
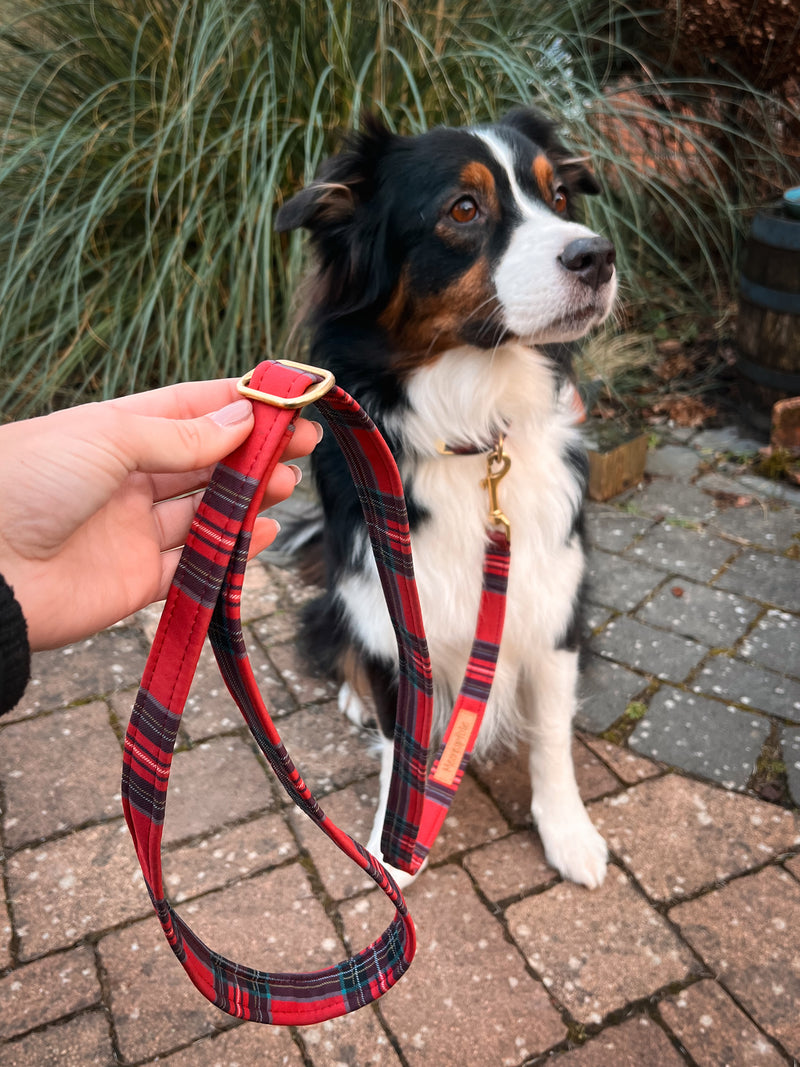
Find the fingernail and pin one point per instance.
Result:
(231, 414)
(298, 474)
(318, 430)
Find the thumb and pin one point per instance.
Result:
(159, 445)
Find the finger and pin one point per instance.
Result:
(173, 520)
(306, 437)
(174, 517)
(170, 445)
(186, 400)
(264, 533)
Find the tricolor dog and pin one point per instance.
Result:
(445, 262)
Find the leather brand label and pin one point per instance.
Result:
(456, 746)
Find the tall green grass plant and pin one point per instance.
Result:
(145, 145)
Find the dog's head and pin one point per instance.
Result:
(457, 236)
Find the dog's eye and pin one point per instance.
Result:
(560, 201)
(464, 210)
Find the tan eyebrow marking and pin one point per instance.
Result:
(480, 178)
(543, 172)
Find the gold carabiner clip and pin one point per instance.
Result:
(498, 463)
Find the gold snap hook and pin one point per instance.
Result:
(498, 464)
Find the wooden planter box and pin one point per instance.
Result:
(614, 468)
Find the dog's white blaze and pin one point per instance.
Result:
(542, 301)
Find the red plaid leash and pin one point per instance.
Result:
(205, 598)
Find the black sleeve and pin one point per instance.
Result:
(15, 653)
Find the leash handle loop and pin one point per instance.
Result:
(205, 598)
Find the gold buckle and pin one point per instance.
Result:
(314, 392)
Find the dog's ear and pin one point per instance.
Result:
(343, 181)
(540, 129)
(347, 225)
(318, 199)
(535, 125)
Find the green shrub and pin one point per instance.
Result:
(144, 146)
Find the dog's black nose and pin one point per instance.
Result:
(591, 258)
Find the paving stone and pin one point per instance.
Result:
(353, 810)
(593, 777)
(111, 660)
(243, 1046)
(82, 784)
(683, 550)
(638, 1042)
(594, 618)
(612, 529)
(790, 743)
(84, 1041)
(745, 932)
(472, 818)
(774, 579)
(711, 616)
(294, 671)
(210, 709)
(271, 921)
(624, 763)
(357, 1039)
(329, 751)
(701, 736)
(774, 527)
(772, 487)
(65, 889)
(226, 856)
(47, 989)
(510, 867)
(715, 1031)
(618, 583)
(673, 500)
(606, 689)
(727, 439)
(673, 461)
(598, 950)
(154, 1005)
(278, 628)
(466, 980)
(508, 781)
(635, 645)
(775, 642)
(677, 836)
(731, 679)
(218, 782)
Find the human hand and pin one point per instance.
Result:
(90, 529)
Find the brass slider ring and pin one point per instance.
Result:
(314, 391)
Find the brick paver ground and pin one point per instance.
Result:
(688, 758)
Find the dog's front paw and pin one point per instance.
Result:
(350, 704)
(574, 848)
(403, 879)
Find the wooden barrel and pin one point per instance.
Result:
(768, 331)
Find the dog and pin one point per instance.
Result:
(444, 262)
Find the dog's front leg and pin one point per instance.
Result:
(571, 843)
